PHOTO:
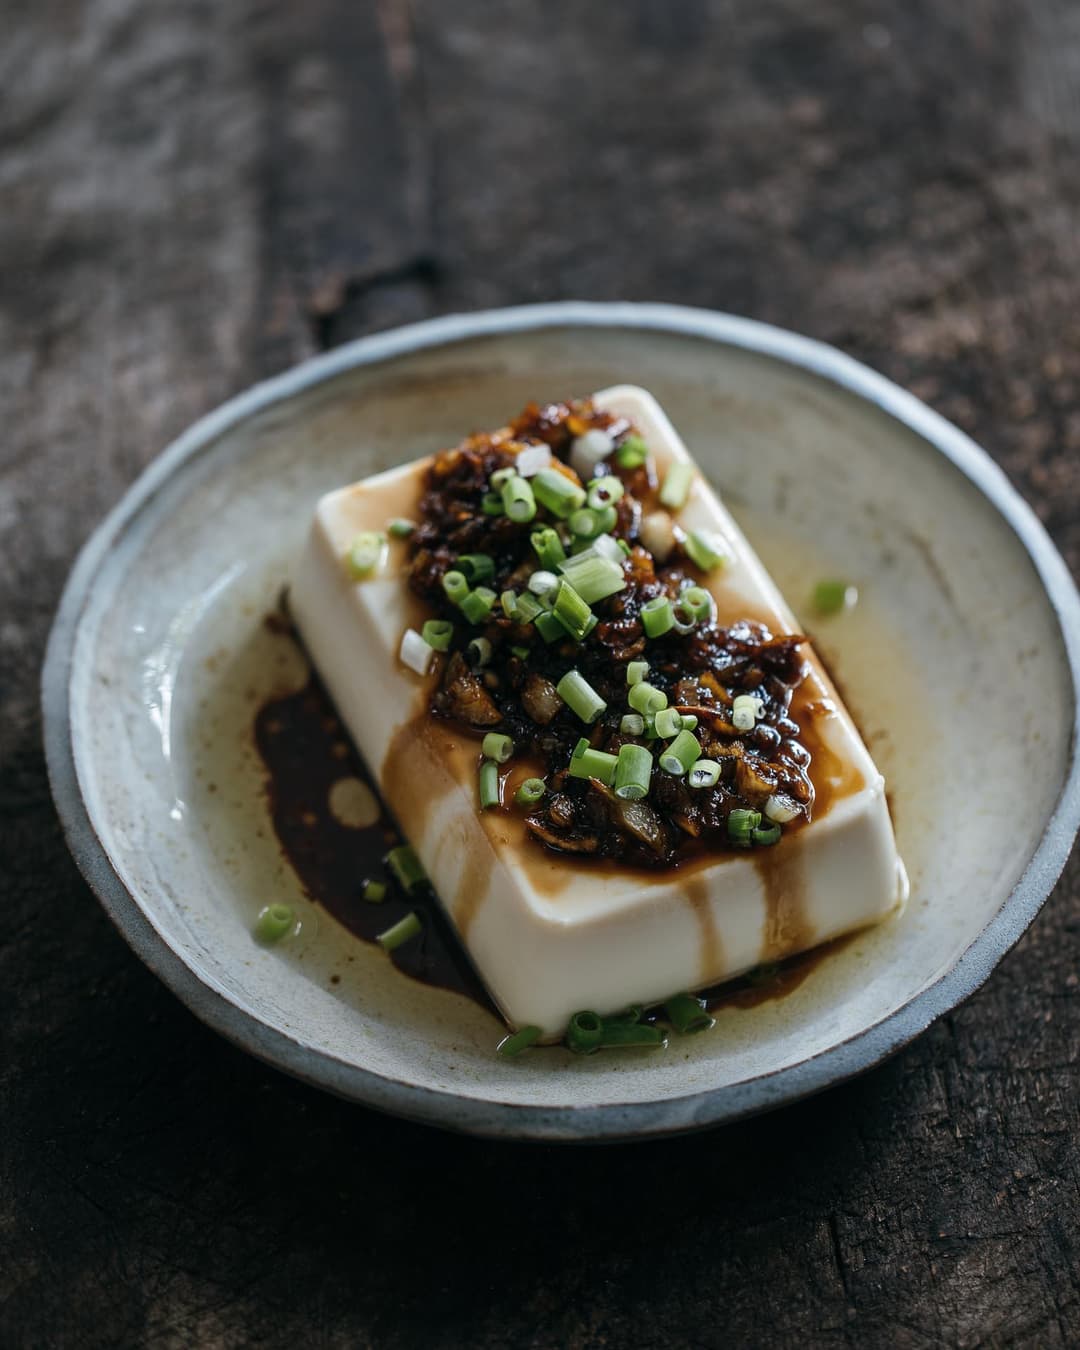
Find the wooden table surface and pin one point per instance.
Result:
(194, 195)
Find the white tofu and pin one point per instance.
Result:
(548, 934)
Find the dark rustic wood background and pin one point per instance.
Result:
(195, 194)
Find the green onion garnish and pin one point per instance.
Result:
(456, 586)
(491, 504)
(584, 1032)
(766, 834)
(489, 784)
(697, 603)
(555, 491)
(541, 583)
(401, 529)
(741, 825)
(637, 671)
(522, 653)
(676, 486)
(593, 577)
(571, 611)
(606, 519)
(438, 633)
(632, 724)
(478, 604)
(407, 868)
(584, 523)
(549, 627)
(518, 500)
(479, 651)
(508, 600)
(705, 549)
(745, 710)
(657, 616)
(402, 931)
(274, 922)
(624, 1034)
(526, 607)
(705, 773)
(374, 892)
(689, 722)
(530, 791)
(645, 698)
(668, 723)
(366, 554)
(681, 753)
(501, 477)
(603, 492)
(476, 567)
(512, 1045)
(632, 772)
(632, 453)
(579, 696)
(548, 547)
(496, 746)
(687, 1014)
(830, 597)
(588, 763)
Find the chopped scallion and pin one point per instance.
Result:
(489, 784)
(438, 633)
(407, 868)
(657, 616)
(645, 698)
(374, 892)
(366, 554)
(572, 611)
(522, 653)
(518, 500)
(830, 597)
(668, 723)
(633, 772)
(626, 1034)
(632, 724)
(588, 763)
(401, 529)
(415, 652)
(479, 651)
(477, 568)
(637, 671)
(550, 628)
(274, 922)
(525, 608)
(491, 504)
(632, 453)
(741, 825)
(766, 834)
(781, 809)
(704, 774)
(456, 586)
(579, 696)
(540, 583)
(478, 604)
(511, 1046)
(594, 578)
(584, 523)
(676, 486)
(689, 721)
(681, 753)
(705, 549)
(588, 450)
(697, 603)
(548, 547)
(406, 928)
(745, 710)
(584, 1032)
(687, 1014)
(530, 791)
(603, 492)
(497, 746)
(501, 477)
(532, 459)
(558, 493)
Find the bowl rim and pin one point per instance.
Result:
(609, 1121)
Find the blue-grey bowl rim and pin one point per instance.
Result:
(620, 1120)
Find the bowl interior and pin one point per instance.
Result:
(952, 664)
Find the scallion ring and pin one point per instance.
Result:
(705, 773)
(438, 633)
(530, 792)
(657, 616)
(497, 746)
(681, 754)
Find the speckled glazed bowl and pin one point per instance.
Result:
(159, 657)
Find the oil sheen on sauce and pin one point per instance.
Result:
(306, 751)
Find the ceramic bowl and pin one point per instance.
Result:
(960, 664)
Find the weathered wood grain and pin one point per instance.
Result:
(195, 195)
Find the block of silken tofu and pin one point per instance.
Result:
(548, 933)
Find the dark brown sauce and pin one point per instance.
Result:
(696, 891)
(300, 740)
(769, 982)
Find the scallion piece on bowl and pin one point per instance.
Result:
(511, 1046)
(366, 554)
(402, 931)
(438, 633)
(530, 792)
(579, 696)
(407, 868)
(498, 746)
(584, 1032)
(687, 1014)
(489, 785)
(831, 597)
(705, 549)
(676, 486)
(633, 772)
(681, 753)
(274, 922)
